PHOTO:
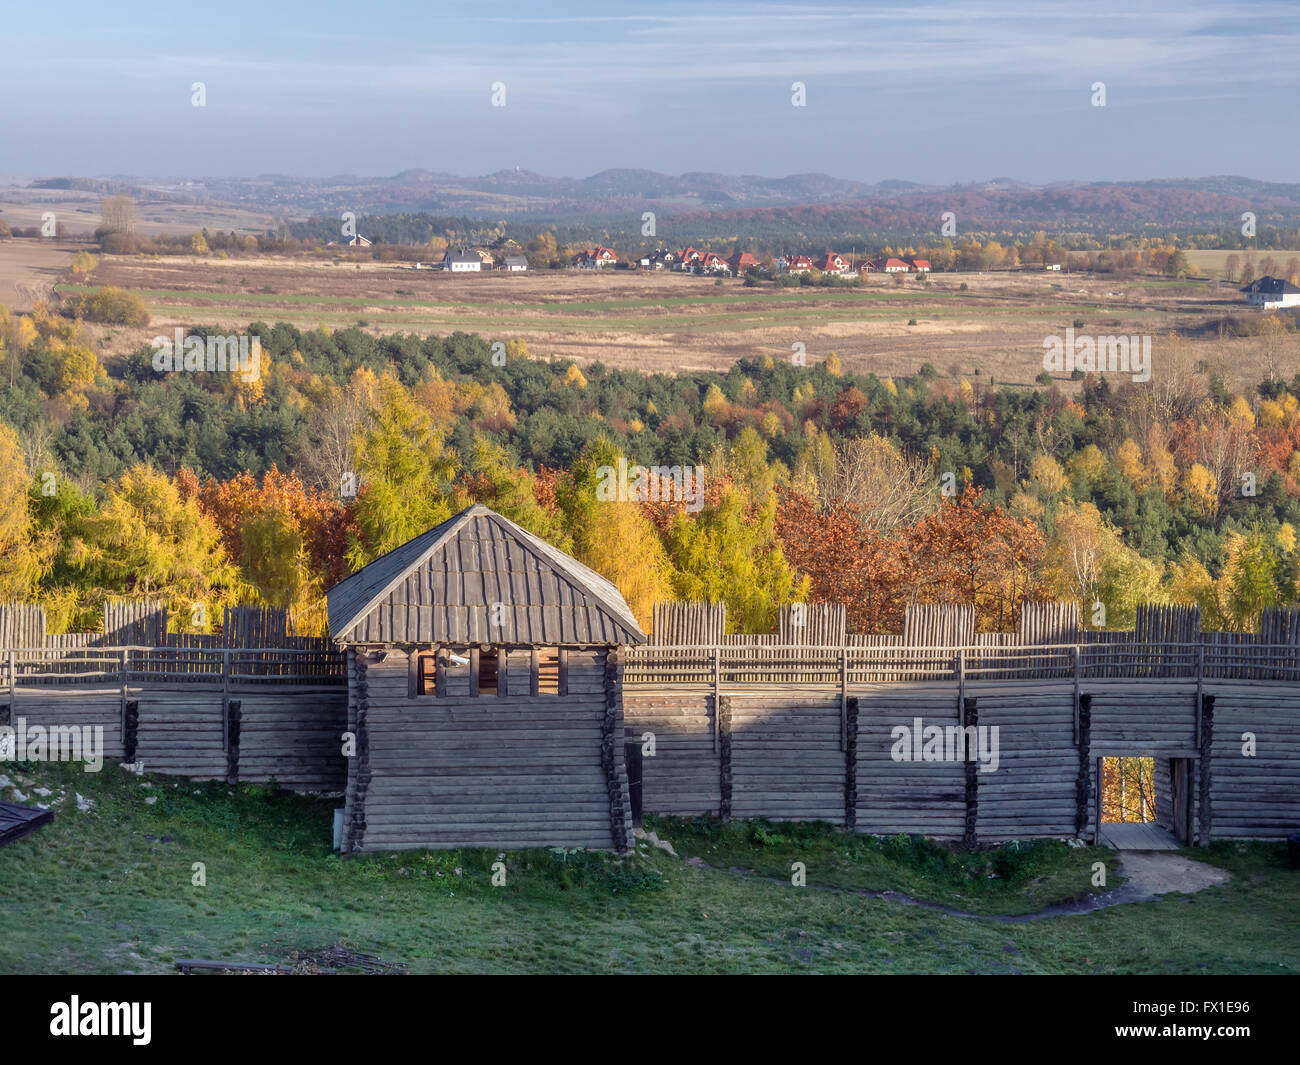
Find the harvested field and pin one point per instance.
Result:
(29, 269)
(669, 322)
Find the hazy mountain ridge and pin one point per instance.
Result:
(794, 200)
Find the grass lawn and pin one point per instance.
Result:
(109, 889)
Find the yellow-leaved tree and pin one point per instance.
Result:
(148, 541)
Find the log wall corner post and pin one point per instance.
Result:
(354, 827)
(1204, 820)
(959, 671)
(612, 754)
(717, 698)
(724, 757)
(844, 698)
(131, 731)
(851, 762)
(1078, 673)
(970, 719)
(225, 700)
(122, 675)
(1083, 785)
(233, 716)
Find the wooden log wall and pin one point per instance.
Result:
(787, 761)
(782, 753)
(1254, 796)
(291, 733)
(1129, 720)
(460, 770)
(98, 706)
(927, 798)
(1034, 791)
(682, 776)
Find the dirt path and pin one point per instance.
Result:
(1148, 876)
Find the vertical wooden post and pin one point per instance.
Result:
(844, 698)
(970, 714)
(126, 653)
(13, 683)
(959, 668)
(225, 700)
(1200, 687)
(1074, 655)
(1204, 819)
(717, 692)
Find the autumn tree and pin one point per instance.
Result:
(148, 541)
(730, 553)
(405, 468)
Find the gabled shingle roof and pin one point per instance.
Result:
(443, 587)
(1272, 286)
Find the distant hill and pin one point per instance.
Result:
(701, 205)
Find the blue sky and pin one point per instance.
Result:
(927, 91)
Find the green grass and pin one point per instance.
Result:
(109, 890)
(1016, 878)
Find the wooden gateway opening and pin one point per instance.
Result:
(1144, 802)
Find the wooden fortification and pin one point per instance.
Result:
(486, 685)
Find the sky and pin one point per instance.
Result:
(935, 92)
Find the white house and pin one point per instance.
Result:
(514, 264)
(462, 260)
(1271, 293)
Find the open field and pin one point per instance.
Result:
(669, 322)
(1211, 263)
(30, 268)
(109, 890)
(79, 212)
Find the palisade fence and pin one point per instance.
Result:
(254, 647)
(940, 644)
(689, 646)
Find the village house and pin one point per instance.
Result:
(711, 262)
(831, 263)
(794, 264)
(1271, 293)
(740, 261)
(462, 260)
(514, 264)
(892, 266)
(595, 258)
(485, 694)
(921, 266)
(687, 258)
(661, 259)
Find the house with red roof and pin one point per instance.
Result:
(831, 263)
(740, 261)
(921, 266)
(595, 258)
(794, 264)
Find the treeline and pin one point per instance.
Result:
(819, 482)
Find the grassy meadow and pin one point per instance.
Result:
(109, 890)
